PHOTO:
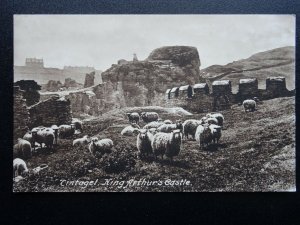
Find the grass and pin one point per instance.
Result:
(256, 153)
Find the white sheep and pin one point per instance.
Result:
(190, 127)
(218, 116)
(20, 167)
(143, 142)
(168, 144)
(249, 105)
(203, 135)
(81, 141)
(45, 136)
(153, 124)
(102, 146)
(22, 149)
(129, 131)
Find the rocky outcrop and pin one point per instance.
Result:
(89, 79)
(144, 82)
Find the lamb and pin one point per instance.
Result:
(168, 122)
(168, 144)
(66, 130)
(249, 105)
(20, 167)
(46, 136)
(101, 146)
(215, 132)
(190, 127)
(149, 116)
(218, 116)
(143, 142)
(203, 135)
(168, 128)
(133, 117)
(129, 131)
(22, 149)
(81, 141)
(153, 124)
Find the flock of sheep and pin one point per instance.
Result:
(156, 138)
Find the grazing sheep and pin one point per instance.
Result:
(102, 146)
(78, 124)
(81, 141)
(20, 167)
(203, 135)
(168, 122)
(143, 142)
(249, 105)
(167, 144)
(129, 131)
(190, 127)
(22, 149)
(45, 136)
(168, 128)
(218, 116)
(153, 124)
(215, 132)
(66, 130)
(149, 116)
(133, 117)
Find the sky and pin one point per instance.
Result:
(101, 40)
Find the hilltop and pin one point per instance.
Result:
(275, 62)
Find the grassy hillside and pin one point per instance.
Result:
(275, 62)
(256, 153)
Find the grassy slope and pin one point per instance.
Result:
(276, 62)
(256, 153)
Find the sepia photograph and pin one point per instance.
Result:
(154, 103)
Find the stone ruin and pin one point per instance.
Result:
(197, 98)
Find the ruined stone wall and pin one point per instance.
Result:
(21, 113)
(55, 110)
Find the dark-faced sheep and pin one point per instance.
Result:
(149, 116)
(133, 117)
(19, 167)
(190, 127)
(22, 149)
(101, 146)
(66, 131)
(143, 142)
(168, 144)
(249, 105)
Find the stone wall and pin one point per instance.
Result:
(21, 113)
(55, 110)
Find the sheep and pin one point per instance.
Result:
(168, 122)
(203, 135)
(101, 146)
(22, 149)
(143, 142)
(133, 117)
(66, 130)
(215, 132)
(81, 141)
(190, 126)
(78, 124)
(168, 144)
(168, 128)
(153, 124)
(218, 116)
(46, 136)
(129, 131)
(20, 167)
(149, 116)
(249, 105)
